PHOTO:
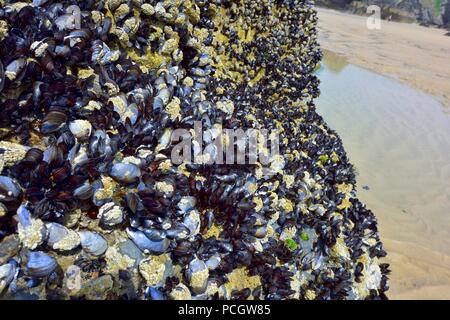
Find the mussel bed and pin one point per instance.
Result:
(91, 205)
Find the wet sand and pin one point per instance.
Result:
(415, 55)
(398, 138)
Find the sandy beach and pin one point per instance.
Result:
(415, 55)
(416, 239)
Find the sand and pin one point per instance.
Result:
(415, 55)
(417, 239)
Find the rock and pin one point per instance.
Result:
(96, 289)
(124, 255)
(11, 153)
(9, 247)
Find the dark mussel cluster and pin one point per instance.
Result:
(91, 205)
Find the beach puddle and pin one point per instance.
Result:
(399, 141)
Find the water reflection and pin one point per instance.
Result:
(333, 62)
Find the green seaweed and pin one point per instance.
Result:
(304, 236)
(323, 158)
(291, 244)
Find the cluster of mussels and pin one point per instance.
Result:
(91, 205)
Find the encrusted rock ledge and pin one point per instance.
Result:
(91, 205)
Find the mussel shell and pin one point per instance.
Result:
(53, 121)
(9, 189)
(179, 231)
(192, 222)
(7, 273)
(84, 192)
(34, 155)
(213, 262)
(2, 77)
(93, 243)
(199, 271)
(40, 264)
(155, 234)
(145, 244)
(154, 293)
(57, 233)
(16, 67)
(24, 216)
(186, 204)
(125, 172)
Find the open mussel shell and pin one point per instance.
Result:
(15, 69)
(93, 243)
(147, 245)
(192, 222)
(186, 203)
(40, 264)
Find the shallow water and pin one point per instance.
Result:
(399, 141)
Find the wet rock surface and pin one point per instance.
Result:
(92, 207)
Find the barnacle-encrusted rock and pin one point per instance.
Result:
(180, 292)
(96, 289)
(111, 214)
(9, 247)
(32, 232)
(155, 269)
(197, 274)
(61, 238)
(91, 120)
(11, 153)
